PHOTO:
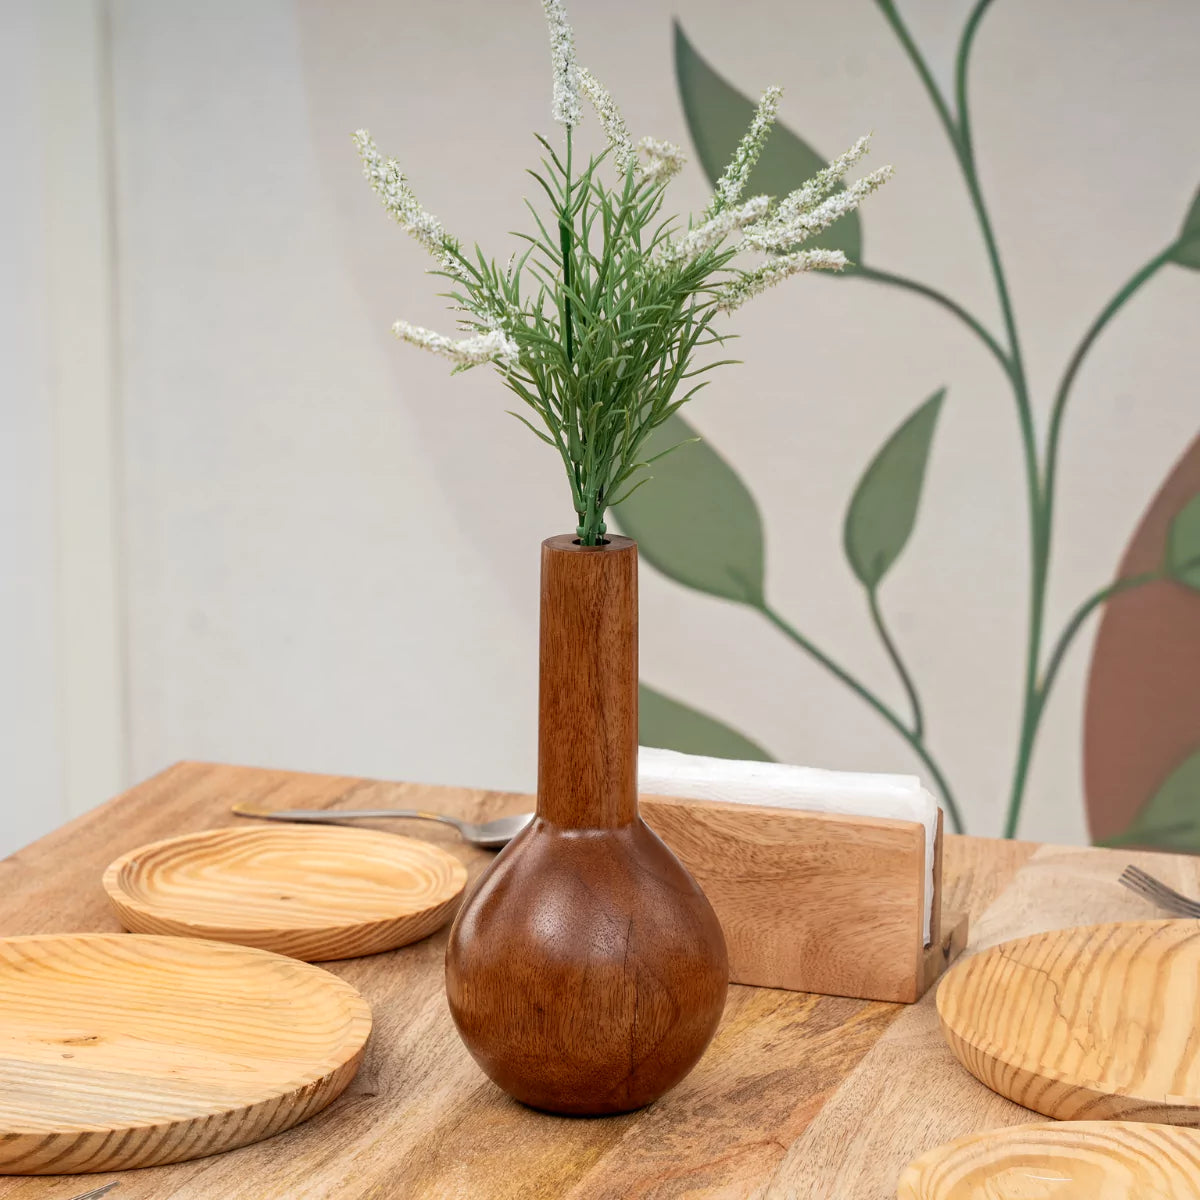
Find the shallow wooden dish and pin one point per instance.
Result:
(1081, 1160)
(1098, 1022)
(120, 1051)
(315, 893)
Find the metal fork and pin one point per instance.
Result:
(1136, 880)
(96, 1193)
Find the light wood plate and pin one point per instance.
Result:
(120, 1051)
(1098, 1022)
(315, 893)
(1071, 1160)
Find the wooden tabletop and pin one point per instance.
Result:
(799, 1097)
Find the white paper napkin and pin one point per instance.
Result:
(779, 785)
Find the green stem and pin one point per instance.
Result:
(952, 306)
(888, 8)
(1080, 615)
(1055, 661)
(914, 701)
(1038, 544)
(564, 238)
(1035, 696)
(1058, 412)
(884, 710)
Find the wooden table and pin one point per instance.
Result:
(799, 1097)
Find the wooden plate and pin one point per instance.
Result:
(1100, 1022)
(120, 1051)
(315, 893)
(1082, 1160)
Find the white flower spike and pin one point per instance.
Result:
(494, 346)
(788, 228)
(683, 250)
(566, 107)
(388, 183)
(619, 140)
(664, 160)
(751, 283)
(732, 183)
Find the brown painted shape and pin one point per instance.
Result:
(587, 972)
(1142, 716)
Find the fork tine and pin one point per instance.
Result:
(1155, 890)
(1158, 888)
(96, 1193)
(1161, 894)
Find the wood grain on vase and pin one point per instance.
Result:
(1067, 1160)
(587, 972)
(316, 893)
(121, 1051)
(1096, 1022)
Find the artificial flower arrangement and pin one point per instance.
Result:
(596, 321)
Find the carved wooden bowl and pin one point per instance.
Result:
(315, 893)
(1084, 1160)
(120, 1051)
(1099, 1022)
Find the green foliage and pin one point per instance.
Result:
(1186, 251)
(605, 343)
(717, 113)
(1171, 817)
(700, 525)
(672, 725)
(883, 509)
(1183, 544)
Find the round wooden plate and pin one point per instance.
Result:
(315, 893)
(1092, 1023)
(1080, 1160)
(120, 1051)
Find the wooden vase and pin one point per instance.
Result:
(587, 972)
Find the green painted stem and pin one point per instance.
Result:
(952, 306)
(959, 132)
(883, 709)
(1036, 696)
(914, 701)
(1042, 690)
(1058, 412)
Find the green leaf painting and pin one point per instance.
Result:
(883, 509)
(1187, 246)
(717, 115)
(1183, 544)
(672, 725)
(1171, 818)
(697, 522)
(701, 492)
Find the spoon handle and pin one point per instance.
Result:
(330, 816)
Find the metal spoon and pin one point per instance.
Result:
(490, 835)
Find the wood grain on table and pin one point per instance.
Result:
(799, 1096)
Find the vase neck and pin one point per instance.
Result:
(588, 712)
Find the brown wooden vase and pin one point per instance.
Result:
(586, 972)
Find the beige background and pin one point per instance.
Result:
(323, 549)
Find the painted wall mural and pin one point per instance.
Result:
(1142, 735)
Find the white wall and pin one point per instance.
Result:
(32, 788)
(62, 719)
(329, 547)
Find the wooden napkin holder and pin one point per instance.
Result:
(816, 902)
